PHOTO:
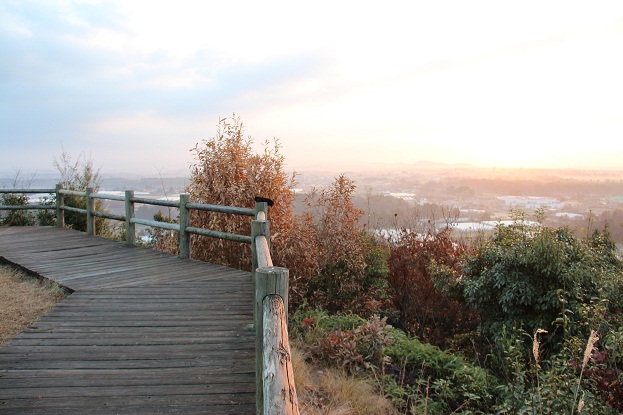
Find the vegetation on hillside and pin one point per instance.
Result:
(524, 321)
(227, 172)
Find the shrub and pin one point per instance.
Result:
(78, 175)
(227, 172)
(16, 217)
(541, 278)
(163, 239)
(24, 217)
(423, 310)
(528, 280)
(571, 381)
(346, 268)
(331, 261)
(418, 377)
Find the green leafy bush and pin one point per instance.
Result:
(25, 217)
(572, 381)
(541, 293)
(16, 217)
(442, 382)
(535, 277)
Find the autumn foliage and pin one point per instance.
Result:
(346, 269)
(228, 172)
(423, 309)
(333, 264)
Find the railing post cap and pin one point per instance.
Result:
(260, 199)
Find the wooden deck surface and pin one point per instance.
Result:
(142, 333)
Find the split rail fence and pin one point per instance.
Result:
(275, 389)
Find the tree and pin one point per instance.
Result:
(349, 267)
(78, 175)
(227, 172)
(332, 262)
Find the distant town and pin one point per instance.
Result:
(471, 199)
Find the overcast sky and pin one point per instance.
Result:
(136, 84)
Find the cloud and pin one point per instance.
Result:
(323, 77)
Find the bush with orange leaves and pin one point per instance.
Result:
(228, 172)
(347, 268)
(333, 264)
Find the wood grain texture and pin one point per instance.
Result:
(142, 333)
(277, 374)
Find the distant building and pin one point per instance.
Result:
(569, 215)
(409, 197)
(531, 202)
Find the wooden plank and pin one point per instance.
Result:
(217, 404)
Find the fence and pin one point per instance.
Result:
(275, 390)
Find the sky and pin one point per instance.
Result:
(135, 85)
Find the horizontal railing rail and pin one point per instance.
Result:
(27, 206)
(27, 191)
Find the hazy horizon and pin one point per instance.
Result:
(26, 174)
(136, 84)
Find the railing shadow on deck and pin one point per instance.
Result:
(275, 389)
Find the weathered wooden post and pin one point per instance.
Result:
(60, 202)
(277, 373)
(259, 226)
(268, 281)
(129, 214)
(261, 205)
(90, 217)
(184, 223)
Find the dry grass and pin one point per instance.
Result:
(332, 392)
(23, 299)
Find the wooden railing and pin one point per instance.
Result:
(275, 389)
(184, 206)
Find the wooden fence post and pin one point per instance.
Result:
(90, 217)
(268, 281)
(258, 227)
(184, 223)
(279, 390)
(60, 201)
(261, 206)
(129, 214)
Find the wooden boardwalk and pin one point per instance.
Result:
(142, 333)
